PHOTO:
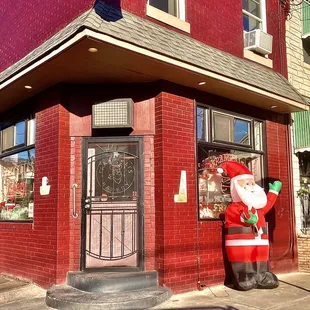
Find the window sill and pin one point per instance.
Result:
(257, 58)
(15, 225)
(168, 19)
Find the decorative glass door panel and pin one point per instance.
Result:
(112, 205)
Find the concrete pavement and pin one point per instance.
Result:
(16, 294)
(292, 294)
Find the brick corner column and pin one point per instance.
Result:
(176, 223)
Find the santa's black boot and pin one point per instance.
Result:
(246, 282)
(244, 276)
(265, 279)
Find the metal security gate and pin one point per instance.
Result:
(112, 221)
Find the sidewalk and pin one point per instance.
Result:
(16, 294)
(292, 294)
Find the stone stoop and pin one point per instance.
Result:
(108, 290)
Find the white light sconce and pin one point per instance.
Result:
(44, 188)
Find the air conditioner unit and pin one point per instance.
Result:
(258, 41)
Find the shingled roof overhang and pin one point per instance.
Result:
(131, 49)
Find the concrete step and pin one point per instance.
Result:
(66, 297)
(112, 281)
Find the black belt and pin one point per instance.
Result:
(243, 230)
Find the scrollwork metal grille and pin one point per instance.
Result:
(112, 217)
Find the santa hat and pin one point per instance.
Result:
(235, 170)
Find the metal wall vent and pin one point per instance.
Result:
(113, 114)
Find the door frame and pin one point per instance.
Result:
(117, 139)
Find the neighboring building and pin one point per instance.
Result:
(298, 51)
(114, 119)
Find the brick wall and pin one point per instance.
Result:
(282, 235)
(176, 223)
(187, 251)
(39, 251)
(183, 250)
(28, 24)
(75, 223)
(149, 203)
(303, 243)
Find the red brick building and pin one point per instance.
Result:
(127, 107)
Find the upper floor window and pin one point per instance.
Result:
(254, 15)
(171, 12)
(173, 7)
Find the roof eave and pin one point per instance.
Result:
(217, 83)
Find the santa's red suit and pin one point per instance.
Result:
(246, 235)
(245, 242)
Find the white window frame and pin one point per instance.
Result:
(178, 21)
(263, 19)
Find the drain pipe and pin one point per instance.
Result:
(199, 286)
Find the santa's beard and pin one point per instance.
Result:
(256, 197)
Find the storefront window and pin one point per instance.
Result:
(231, 141)
(17, 172)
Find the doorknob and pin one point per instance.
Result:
(87, 204)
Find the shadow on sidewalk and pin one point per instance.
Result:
(300, 287)
(204, 308)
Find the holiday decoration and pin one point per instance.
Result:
(213, 191)
(246, 236)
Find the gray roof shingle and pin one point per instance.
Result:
(128, 27)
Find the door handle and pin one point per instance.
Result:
(74, 213)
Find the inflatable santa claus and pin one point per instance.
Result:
(246, 238)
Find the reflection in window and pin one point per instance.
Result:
(8, 138)
(258, 143)
(230, 129)
(252, 14)
(223, 127)
(168, 6)
(20, 133)
(14, 135)
(241, 131)
(113, 171)
(200, 123)
(17, 186)
(31, 135)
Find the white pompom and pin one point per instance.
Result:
(220, 170)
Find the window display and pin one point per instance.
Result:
(17, 171)
(213, 150)
(17, 186)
